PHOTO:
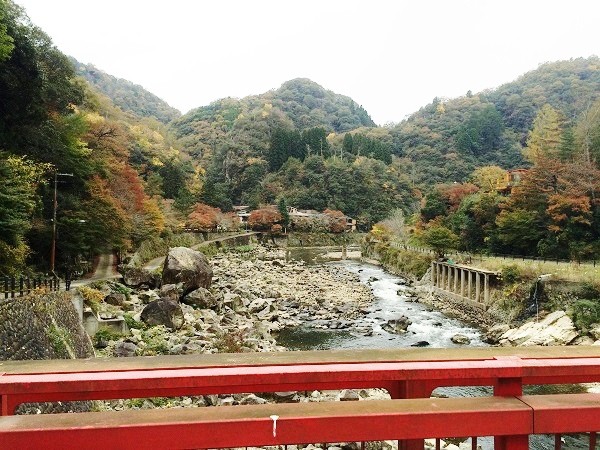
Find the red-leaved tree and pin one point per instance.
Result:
(263, 219)
(337, 220)
(203, 217)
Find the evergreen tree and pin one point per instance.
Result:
(567, 147)
(348, 144)
(285, 216)
(315, 140)
(545, 137)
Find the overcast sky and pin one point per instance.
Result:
(392, 57)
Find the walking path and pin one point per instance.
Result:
(157, 262)
(105, 270)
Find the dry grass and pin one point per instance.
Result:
(560, 271)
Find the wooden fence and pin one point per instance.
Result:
(18, 287)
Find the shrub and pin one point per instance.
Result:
(584, 313)
(91, 297)
(231, 342)
(589, 291)
(105, 335)
(132, 323)
(511, 274)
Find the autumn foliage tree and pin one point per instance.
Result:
(337, 220)
(203, 217)
(263, 219)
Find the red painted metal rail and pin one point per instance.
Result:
(242, 426)
(406, 373)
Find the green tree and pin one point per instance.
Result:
(568, 147)
(347, 145)
(6, 41)
(435, 205)
(545, 137)
(518, 231)
(488, 178)
(482, 133)
(285, 216)
(315, 141)
(439, 238)
(19, 179)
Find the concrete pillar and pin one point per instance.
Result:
(455, 288)
(443, 276)
(470, 283)
(477, 286)
(486, 289)
(433, 268)
(447, 277)
(462, 282)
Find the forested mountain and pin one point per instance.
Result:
(137, 169)
(552, 116)
(447, 139)
(127, 95)
(245, 147)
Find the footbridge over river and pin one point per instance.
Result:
(409, 375)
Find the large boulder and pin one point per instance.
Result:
(187, 266)
(163, 312)
(139, 277)
(555, 329)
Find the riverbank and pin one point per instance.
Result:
(254, 295)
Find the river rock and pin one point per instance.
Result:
(163, 312)
(125, 349)
(493, 334)
(233, 301)
(420, 344)
(139, 277)
(170, 292)
(349, 395)
(115, 299)
(187, 266)
(595, 330)
(284, 396)
(147, 297)
(460, 339)
(252, 399)
(200, 298)
(259, 304)
(583, 340)
(555, 329)
(397, 325)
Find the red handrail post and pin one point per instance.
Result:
(510, 387)
(411, 389)
(511, 442)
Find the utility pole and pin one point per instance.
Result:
(55, 206)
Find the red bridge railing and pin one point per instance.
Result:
(410, 375)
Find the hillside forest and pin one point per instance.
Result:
(131, 168)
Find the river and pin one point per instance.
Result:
(427, 325)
